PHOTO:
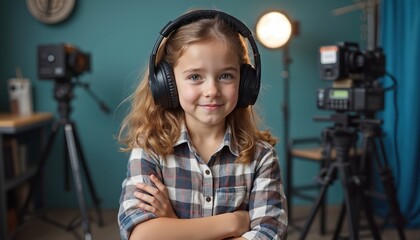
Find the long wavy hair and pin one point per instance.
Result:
(156, 129)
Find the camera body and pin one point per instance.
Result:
(345, 60)
(345, 63)
(61, 62)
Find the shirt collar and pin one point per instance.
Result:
(184, 138)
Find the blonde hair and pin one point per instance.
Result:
(156, 129)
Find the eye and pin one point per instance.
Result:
(194, 77)
(226, 76)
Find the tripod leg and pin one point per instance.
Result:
(388, 183)
(44, 156)
(354, 189)
(340, 221)
(350, 202)
(323, 217)
(364, 168)
(369, 214)
(77, 179)
(93, 194)
(66, 167)
(326, 155)
(329, 178)
(45, 153)
(367, 208)
(343, 141)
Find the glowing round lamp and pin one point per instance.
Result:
(274, 29)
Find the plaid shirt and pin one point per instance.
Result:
(197, 189)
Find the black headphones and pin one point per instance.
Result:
(161, 77)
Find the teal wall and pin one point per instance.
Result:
(120, 35)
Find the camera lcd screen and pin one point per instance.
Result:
(339, 94)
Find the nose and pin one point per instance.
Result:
(212, 88)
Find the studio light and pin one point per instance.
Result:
(274, 29)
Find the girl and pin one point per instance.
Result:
(199, 168)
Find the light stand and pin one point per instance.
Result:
(286, 96)
(286, 118)
(274, 31)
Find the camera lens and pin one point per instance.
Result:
(50, 58)
(356, 61)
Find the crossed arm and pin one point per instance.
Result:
(155, 218)
(222, 226)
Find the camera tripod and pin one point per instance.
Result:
(63, 93)
(342, 137)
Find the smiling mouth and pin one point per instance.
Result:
(211, 106)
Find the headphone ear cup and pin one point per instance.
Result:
(249, 86)
(164, 89)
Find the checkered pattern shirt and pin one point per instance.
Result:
(197, 189)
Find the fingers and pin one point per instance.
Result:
(151, 200)
(159, 185)
(147, 207)
(155, 199)
(150, 203)
(152, 196)
(160, 192)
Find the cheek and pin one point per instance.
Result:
(232, 92)
(187, 94)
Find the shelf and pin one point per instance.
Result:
(16, 181)
(31, 130)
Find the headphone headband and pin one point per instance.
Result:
(205, 14)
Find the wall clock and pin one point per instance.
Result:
(50, 11)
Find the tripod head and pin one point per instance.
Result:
(63, 93)
(346, 126)
(63, 63)
(357, 121)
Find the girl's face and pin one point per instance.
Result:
(207, 78)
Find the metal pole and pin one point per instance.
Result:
(77, 179)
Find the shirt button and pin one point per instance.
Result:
(207, 172)
(208, 199)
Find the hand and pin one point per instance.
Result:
(158, 201)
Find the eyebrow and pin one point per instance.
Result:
(234, 69)
(231, 69)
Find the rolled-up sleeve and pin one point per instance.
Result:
(140, 167)
(267, 204)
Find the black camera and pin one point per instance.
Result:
(61, 62)
(354, 73)
(345, 60)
